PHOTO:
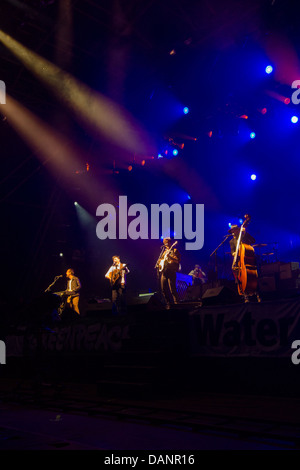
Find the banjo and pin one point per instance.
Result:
(162, 262)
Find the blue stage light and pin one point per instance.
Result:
(253, 177)
(186, 110)
(294, 119)
(175, 152)
(229, 224)
(252, 135)
(240, 221)
(269, 69)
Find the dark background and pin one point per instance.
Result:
(152, 58)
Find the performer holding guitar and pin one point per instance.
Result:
(167, 265)
(117, 277)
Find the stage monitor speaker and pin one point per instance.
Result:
(219, 296)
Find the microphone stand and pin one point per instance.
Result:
(157, 270)
(215, 253)
(160, 255)
(51, 285)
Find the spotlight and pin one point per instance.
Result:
(253, 177)
(186, 110)
(240, 221)
(269, 69)
(229, 224)
(159, 155)
(175, 152)
(75, 203)
(61, 255)
(294, 119)
(252, 135)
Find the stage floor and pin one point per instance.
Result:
(155, 380)
(74, 417)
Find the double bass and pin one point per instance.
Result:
(244, 264)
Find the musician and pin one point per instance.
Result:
(117, 277)
(247, 239)
(199, 276)
(171, 262)
(72, 290)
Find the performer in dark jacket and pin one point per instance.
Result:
(168, 265)
(72, 291)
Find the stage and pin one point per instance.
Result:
(210, 345)
(219, 376)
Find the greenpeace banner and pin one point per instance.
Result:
(79, 337)
(265, 329)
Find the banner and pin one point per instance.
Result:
(252, 329)
(74, 338)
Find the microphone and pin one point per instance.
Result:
(56, 277)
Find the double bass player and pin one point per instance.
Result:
(244, 261)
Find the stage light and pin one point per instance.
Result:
(94, 110)
(229, 224)
(240, 221)
(186, 110)
(253, 177)
(130, 168)
(278, 96)
(175, 152)
(294, 119)
(159, 155)
(61, 255)
(252, 135)
(269, 69)
(75, 203)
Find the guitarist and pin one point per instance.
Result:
(72, 291)
(117, 277)
(170, 257)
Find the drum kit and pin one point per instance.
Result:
(270, 254)
(263, 258)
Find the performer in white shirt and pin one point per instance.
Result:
(117, 277)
